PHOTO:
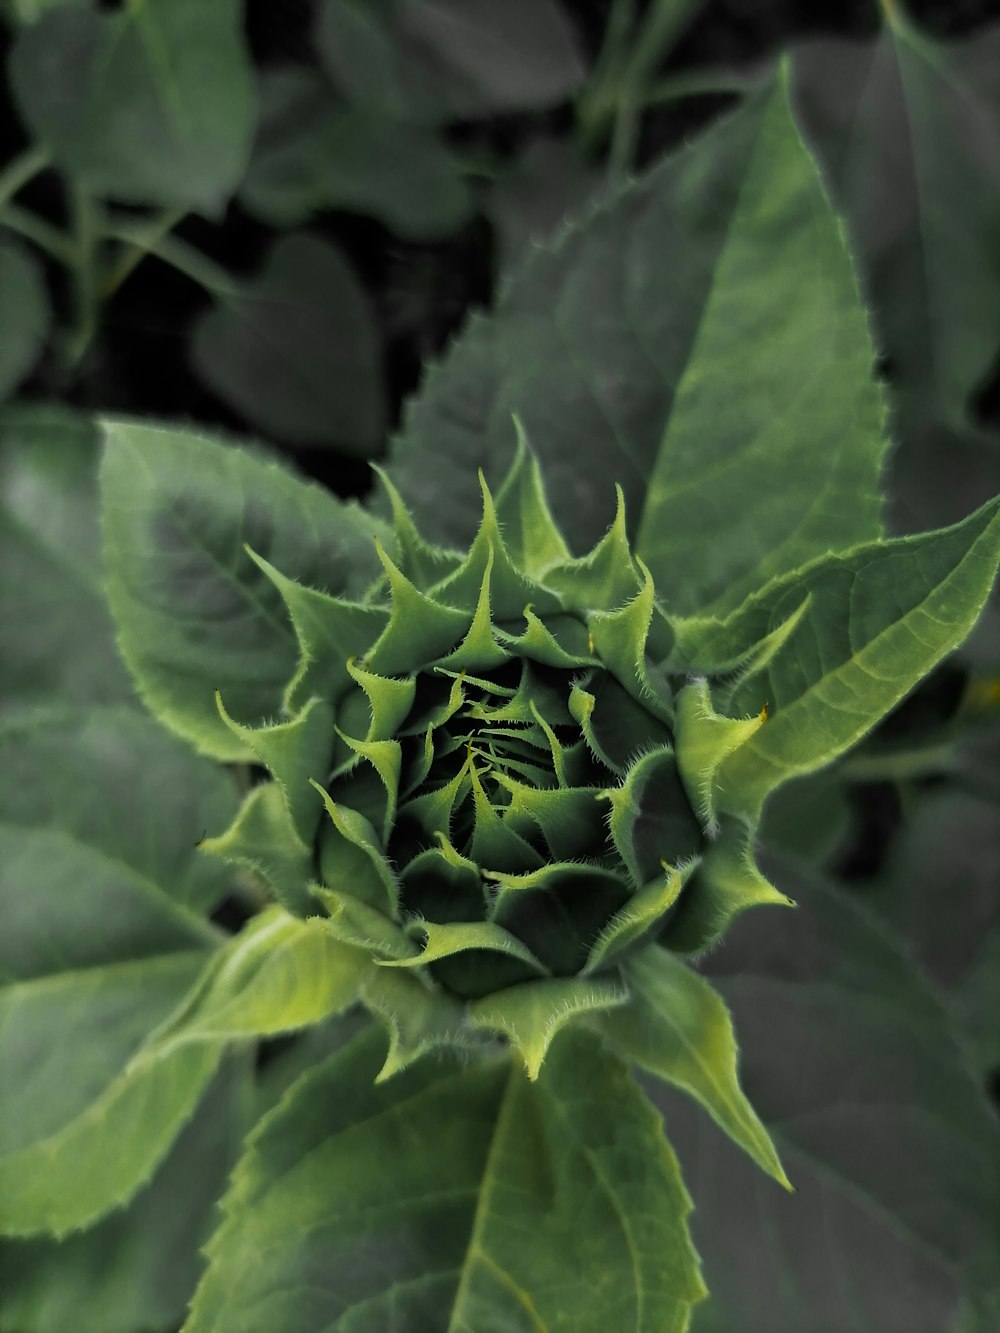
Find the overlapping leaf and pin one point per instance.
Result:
(100, 819)
(295, 349)
(99, 945)
(461, 1199)
(115, 1277)
(58, 639)
(907, 129)
(149, 104)
(940, 893)
(855, 633)
(437, 60)
(852, 1063)
(707, 386)
(195, 613)
(313, 154)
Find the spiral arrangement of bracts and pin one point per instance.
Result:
(490, 785)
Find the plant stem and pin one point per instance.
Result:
(41, 233)
(696, 83)
(87, 300)
(149, 234)
(596, 102)
(888, 8)
(178, 254)
(665, 21)
(19, 170)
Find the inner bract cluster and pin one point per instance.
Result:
(516, 793)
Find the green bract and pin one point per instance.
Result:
(517, 795)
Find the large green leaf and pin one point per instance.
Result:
(109, 793)
(137, 1268)
(461, 1199)
(24, 313)
(152, 103)
(659, 345)
(434, 60)
(99, 879)
(73, 1146)
(85, 1127)
(57, 640)
(907, 129)
(295, 349)
(863, 628)
(195, 613)
(851, 1061)
(312, 153)
(940, 892)
(535, 193)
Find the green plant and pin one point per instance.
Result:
(423, 887)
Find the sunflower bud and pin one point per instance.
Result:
(488, 782)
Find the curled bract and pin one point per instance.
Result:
(489, 785)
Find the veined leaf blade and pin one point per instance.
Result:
(522, 1209)
(195, 614)
(737, 462)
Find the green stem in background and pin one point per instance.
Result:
(178, 254)
(149, 234)
(19, 170)
(86, 297)
(41, 233)
(702, 83)
(665, 21)
(596, 104)
(889, 11)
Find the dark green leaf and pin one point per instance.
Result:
(941, 894)
(24, 314)
(57, 640)
(137, 1268)
(461, 1199)
(195, 613)
(295, 349)
(152, 103)
(313, 153)
(538, 191)
(866, 627)
(100, 815)
(729, 396)
(436, 60)
(110, 791)
(850, 1059)
(908, 131)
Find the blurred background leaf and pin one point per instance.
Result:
(940, 894)
(907, 129)
(549, 181)
(295, 350)
(855, 1067)
(430, 61)
(58, 641)
(151, 103)
(314, 153)
(136, 1269)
